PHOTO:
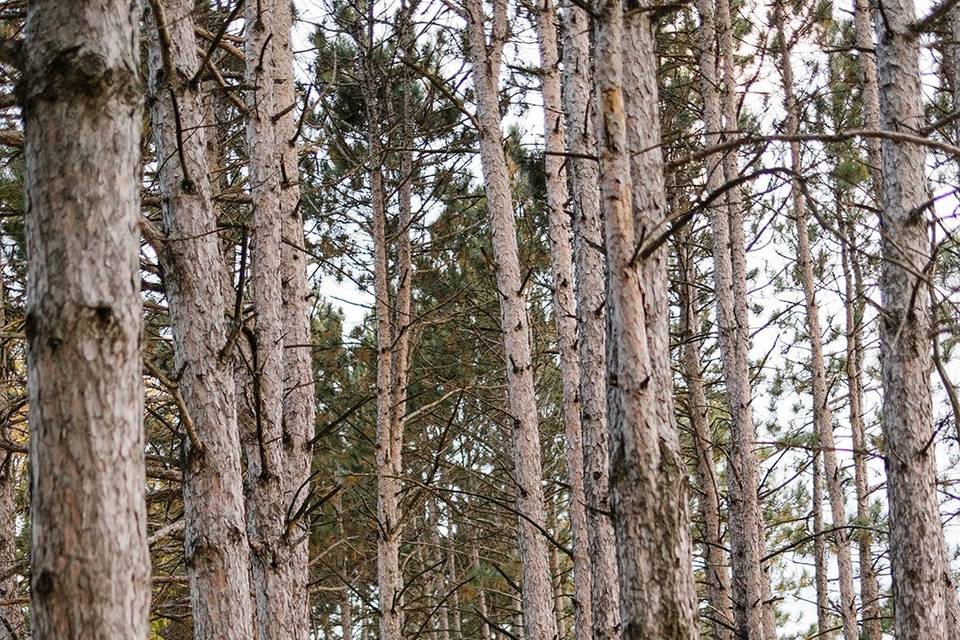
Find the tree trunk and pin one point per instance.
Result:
(753, 611)
(925, 601)
(716, 570)
(647, 474)
(215, 541)
(822, 416)
(81, 100)
(538, 619)
(275, 461)
(824, 624)
(579, 103)
(853, 308)
(866, 57)
(564, 308)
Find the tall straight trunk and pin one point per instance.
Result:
(866, 57)
(925, 601)
(579, 109)
(481, 602)
(753, 610)
(822, 416)
(215, 542)
(853, 313)
(389, 465)
(719, 596)
(564, 307)
(716, 570)
(81, 100)
(274, 459)
(824, 623)
(299, 394)
(538, 619)
(647, 476)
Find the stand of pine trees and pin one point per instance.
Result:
(479, 319)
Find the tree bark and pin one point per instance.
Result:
(647, 475)
(853, 312)
(275, 452)
(716, 569)
(579, 109)
(753, 612)
(925, 601)
(81, 103)
(564, 308)
(215, 541)
(538, 619)
(822, 416)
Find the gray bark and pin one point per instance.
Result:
(215, 541)
(275, 451)
(564, 308)
(538, 619)
(822, 415)
(579, 109)
(716, 568)
(81, 99)
(853, 313)
(753, 612)
(925, 601)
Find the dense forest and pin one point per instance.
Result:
(479, 319)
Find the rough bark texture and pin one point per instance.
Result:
(538, 619)
(822, 415)
(274, 460)
(90, 572)
(647, 475)
(215, 541)
(579, 109)
(716, 569)
(753, 614)
(564, 308)
(924, 596)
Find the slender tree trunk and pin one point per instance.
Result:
(925, 601)
(866, 57)
(824, 623)
(579, 109)
(647, 474)
(822, 416)
(538, 620)
(389, 578)
(12, 621)
(81, 100)
(853, 307)
(299, 394)
(215, 541)
(753, 611)
(564, 308)
(481, 603)
(275, 452)
(716, 569)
